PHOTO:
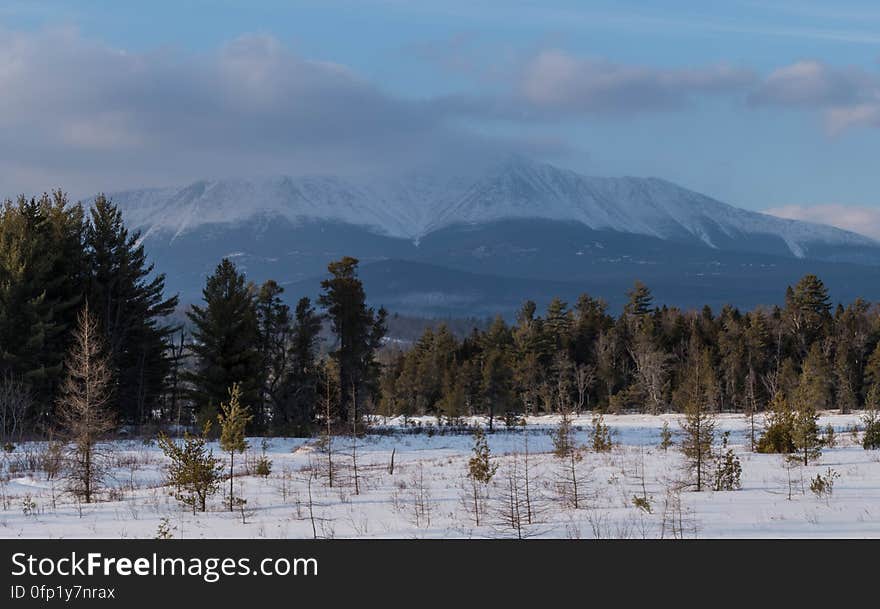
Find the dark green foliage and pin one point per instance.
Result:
(778, 435)
(295, 408)
(600, 435)
(128, 300)
(359, 331)
(728, 470)
(871, 419)
(698, 427)
(194, 472)
(480, 467)
(563, 438)
(225, 345)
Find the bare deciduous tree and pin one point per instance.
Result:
(652, 372)
(82, 406)
(15, 401)
(584, 377)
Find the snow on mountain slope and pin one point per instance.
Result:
(414, 206)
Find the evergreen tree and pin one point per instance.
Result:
(777, 436)
(496, 389)
(480, 472)
(226, 342)
(871, 419)
(359, 332)
(42, 272)
(296, 411)
(129, 303)
(193, 470)
(233, 419)
(274, 329)
(805, 428)
(600, 435)
(698, 427)
(639, 300)
(807, 311)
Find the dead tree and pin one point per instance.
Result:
(354, 439)
(527, 479)
(82, 407)
(511, 507)
(328, 401)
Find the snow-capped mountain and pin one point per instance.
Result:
(434, 244)
(416, 206)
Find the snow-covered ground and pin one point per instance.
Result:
(427, 495)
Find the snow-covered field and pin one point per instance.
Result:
(427, 495)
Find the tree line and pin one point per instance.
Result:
(60, 259)
(647, 359)
(56, 256)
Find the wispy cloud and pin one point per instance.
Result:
(848, 96)
(558, 81)
(862, 220)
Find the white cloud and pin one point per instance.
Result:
(862, 220)
(85, 116)
(847, 96)
(556, 80)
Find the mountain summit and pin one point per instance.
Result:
(518, 221)
(518, 188)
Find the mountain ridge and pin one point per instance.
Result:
(414, 207)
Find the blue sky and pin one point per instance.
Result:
(765, 105)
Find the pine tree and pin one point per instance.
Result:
(359, 331)
(83, 406)
(480, 472)
(274, 330)
(639, 300)
(728, 470)
(193, 470)
(295, 411)
(698, 427)
(41, 277)
(233, 419)
(871, 419)
(600, 435)
(807, 311)
(497, 385)
(777, 436)
(665, 436)
(225, 342)
(129, 303)
(811, 395)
